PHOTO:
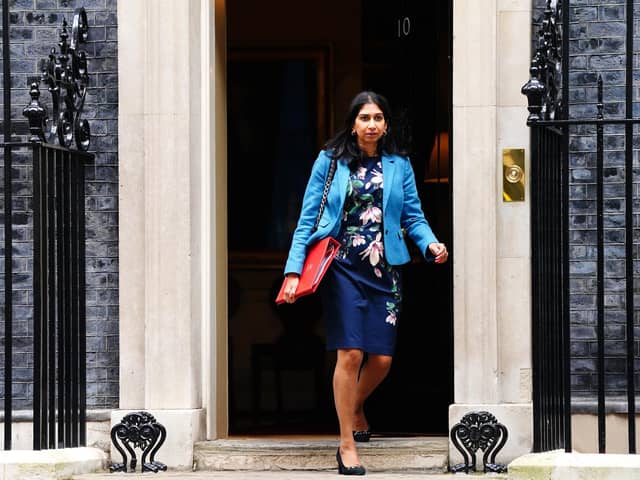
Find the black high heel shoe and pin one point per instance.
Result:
(343, 470)
(362, 435)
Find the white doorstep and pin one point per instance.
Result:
(50, 464)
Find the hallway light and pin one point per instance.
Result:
(437, 170)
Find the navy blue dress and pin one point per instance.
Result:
(361, 293)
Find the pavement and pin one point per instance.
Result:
(281, 475)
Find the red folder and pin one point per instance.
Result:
(318, 259)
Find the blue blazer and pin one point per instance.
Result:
(401, 211)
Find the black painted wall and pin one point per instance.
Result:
(597, 39)
(34, 30)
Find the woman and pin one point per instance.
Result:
(371, 206)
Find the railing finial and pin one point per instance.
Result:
(535, 91)
(37, 115)
(600, 104)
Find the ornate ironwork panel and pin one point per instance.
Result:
(138, 430)
(66, 77)
(544, 88)
(479, 431)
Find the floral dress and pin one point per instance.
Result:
(362, 292)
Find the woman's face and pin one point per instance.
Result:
(369, 125)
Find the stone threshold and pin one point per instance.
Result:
(381, 454)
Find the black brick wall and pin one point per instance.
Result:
(35, 28)
(597, 43)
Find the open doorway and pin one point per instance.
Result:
(292, 68)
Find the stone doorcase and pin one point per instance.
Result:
(173, 252)
(492, 288)
(172, 226)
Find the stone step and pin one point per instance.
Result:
(381, 454)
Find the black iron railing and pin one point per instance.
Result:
(59, 328)
(57, 195)
(551, 129)
(8, 267)
(550, 336)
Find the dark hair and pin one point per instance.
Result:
(344, 145)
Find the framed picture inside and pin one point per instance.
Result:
(278, 117)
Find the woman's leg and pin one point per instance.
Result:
(345, 381)
(372, 373)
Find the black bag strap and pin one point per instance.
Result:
(325, 193)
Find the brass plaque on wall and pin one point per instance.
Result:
(513, 174)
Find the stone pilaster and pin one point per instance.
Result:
(475, 202)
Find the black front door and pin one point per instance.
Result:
(407, 53)
(280, 375)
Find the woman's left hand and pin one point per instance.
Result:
(440, 252)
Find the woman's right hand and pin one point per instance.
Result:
(290, 287)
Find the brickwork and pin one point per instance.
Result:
(35, 27)
(597, 43)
